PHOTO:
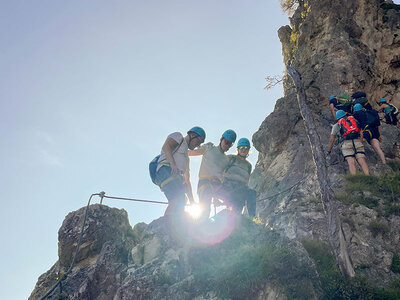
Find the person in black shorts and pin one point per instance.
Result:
(370, 125)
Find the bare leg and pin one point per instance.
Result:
(377, 147)
(352, 165)
(363, 164)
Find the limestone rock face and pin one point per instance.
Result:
(336, 46)
(102, 257)
(164, 260)
(103, 225)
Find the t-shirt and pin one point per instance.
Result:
(336, 130)
(180, 156)
(239, 169)
(213, 163)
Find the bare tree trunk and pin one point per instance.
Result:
(335, 233)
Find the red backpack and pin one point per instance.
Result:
(348, 128)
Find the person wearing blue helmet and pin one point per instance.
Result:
(370, 125)
(391, 112)
(213, 164)
(172, 172)
(348, 132)
(236, 179)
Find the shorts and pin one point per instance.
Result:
(208, 189)
(172, 187)
(353, 148)
(371, 133)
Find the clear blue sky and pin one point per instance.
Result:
(89, 91)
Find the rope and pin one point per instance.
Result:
(296, 184)
(137, 200)
(101, 195)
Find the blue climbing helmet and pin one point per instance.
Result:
(357, 107)
(229, 135)
(340, 114)
(382, 100)
(331, 97)
(243, 142)
(198, 130)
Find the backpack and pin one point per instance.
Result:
(373, 119)
(348, 128)
(393, 109)
(344, 99)
(153, 168)
(361, 98)
(359, 95)
(154, 163)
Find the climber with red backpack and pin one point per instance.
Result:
(370, 125)
(350, 136)
(170, 169)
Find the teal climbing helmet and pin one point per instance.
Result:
(340, 114)
(382, 100)
(243, 142)
(357, 107)
(198, 130)
(331, 97)
(229, 135)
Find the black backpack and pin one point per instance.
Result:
(373, 119)
(361, 98)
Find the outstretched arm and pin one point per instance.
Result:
(196, 152)
(332, 108)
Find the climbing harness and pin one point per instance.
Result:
(102, 195)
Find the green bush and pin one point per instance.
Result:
(395, 267)
(335, 286)
(378, 228)
(241, 265)
(390, 6)
(385, 187)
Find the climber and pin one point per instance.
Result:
(213, 163)
(342, 102)
(349, 133)
(361, 98)
(172, 173)
(370, 126)
(391, 112)
(236, 179)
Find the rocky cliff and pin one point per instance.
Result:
(336, 46)
(230, 257)
(304, 243)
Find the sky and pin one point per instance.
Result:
(89, 91)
